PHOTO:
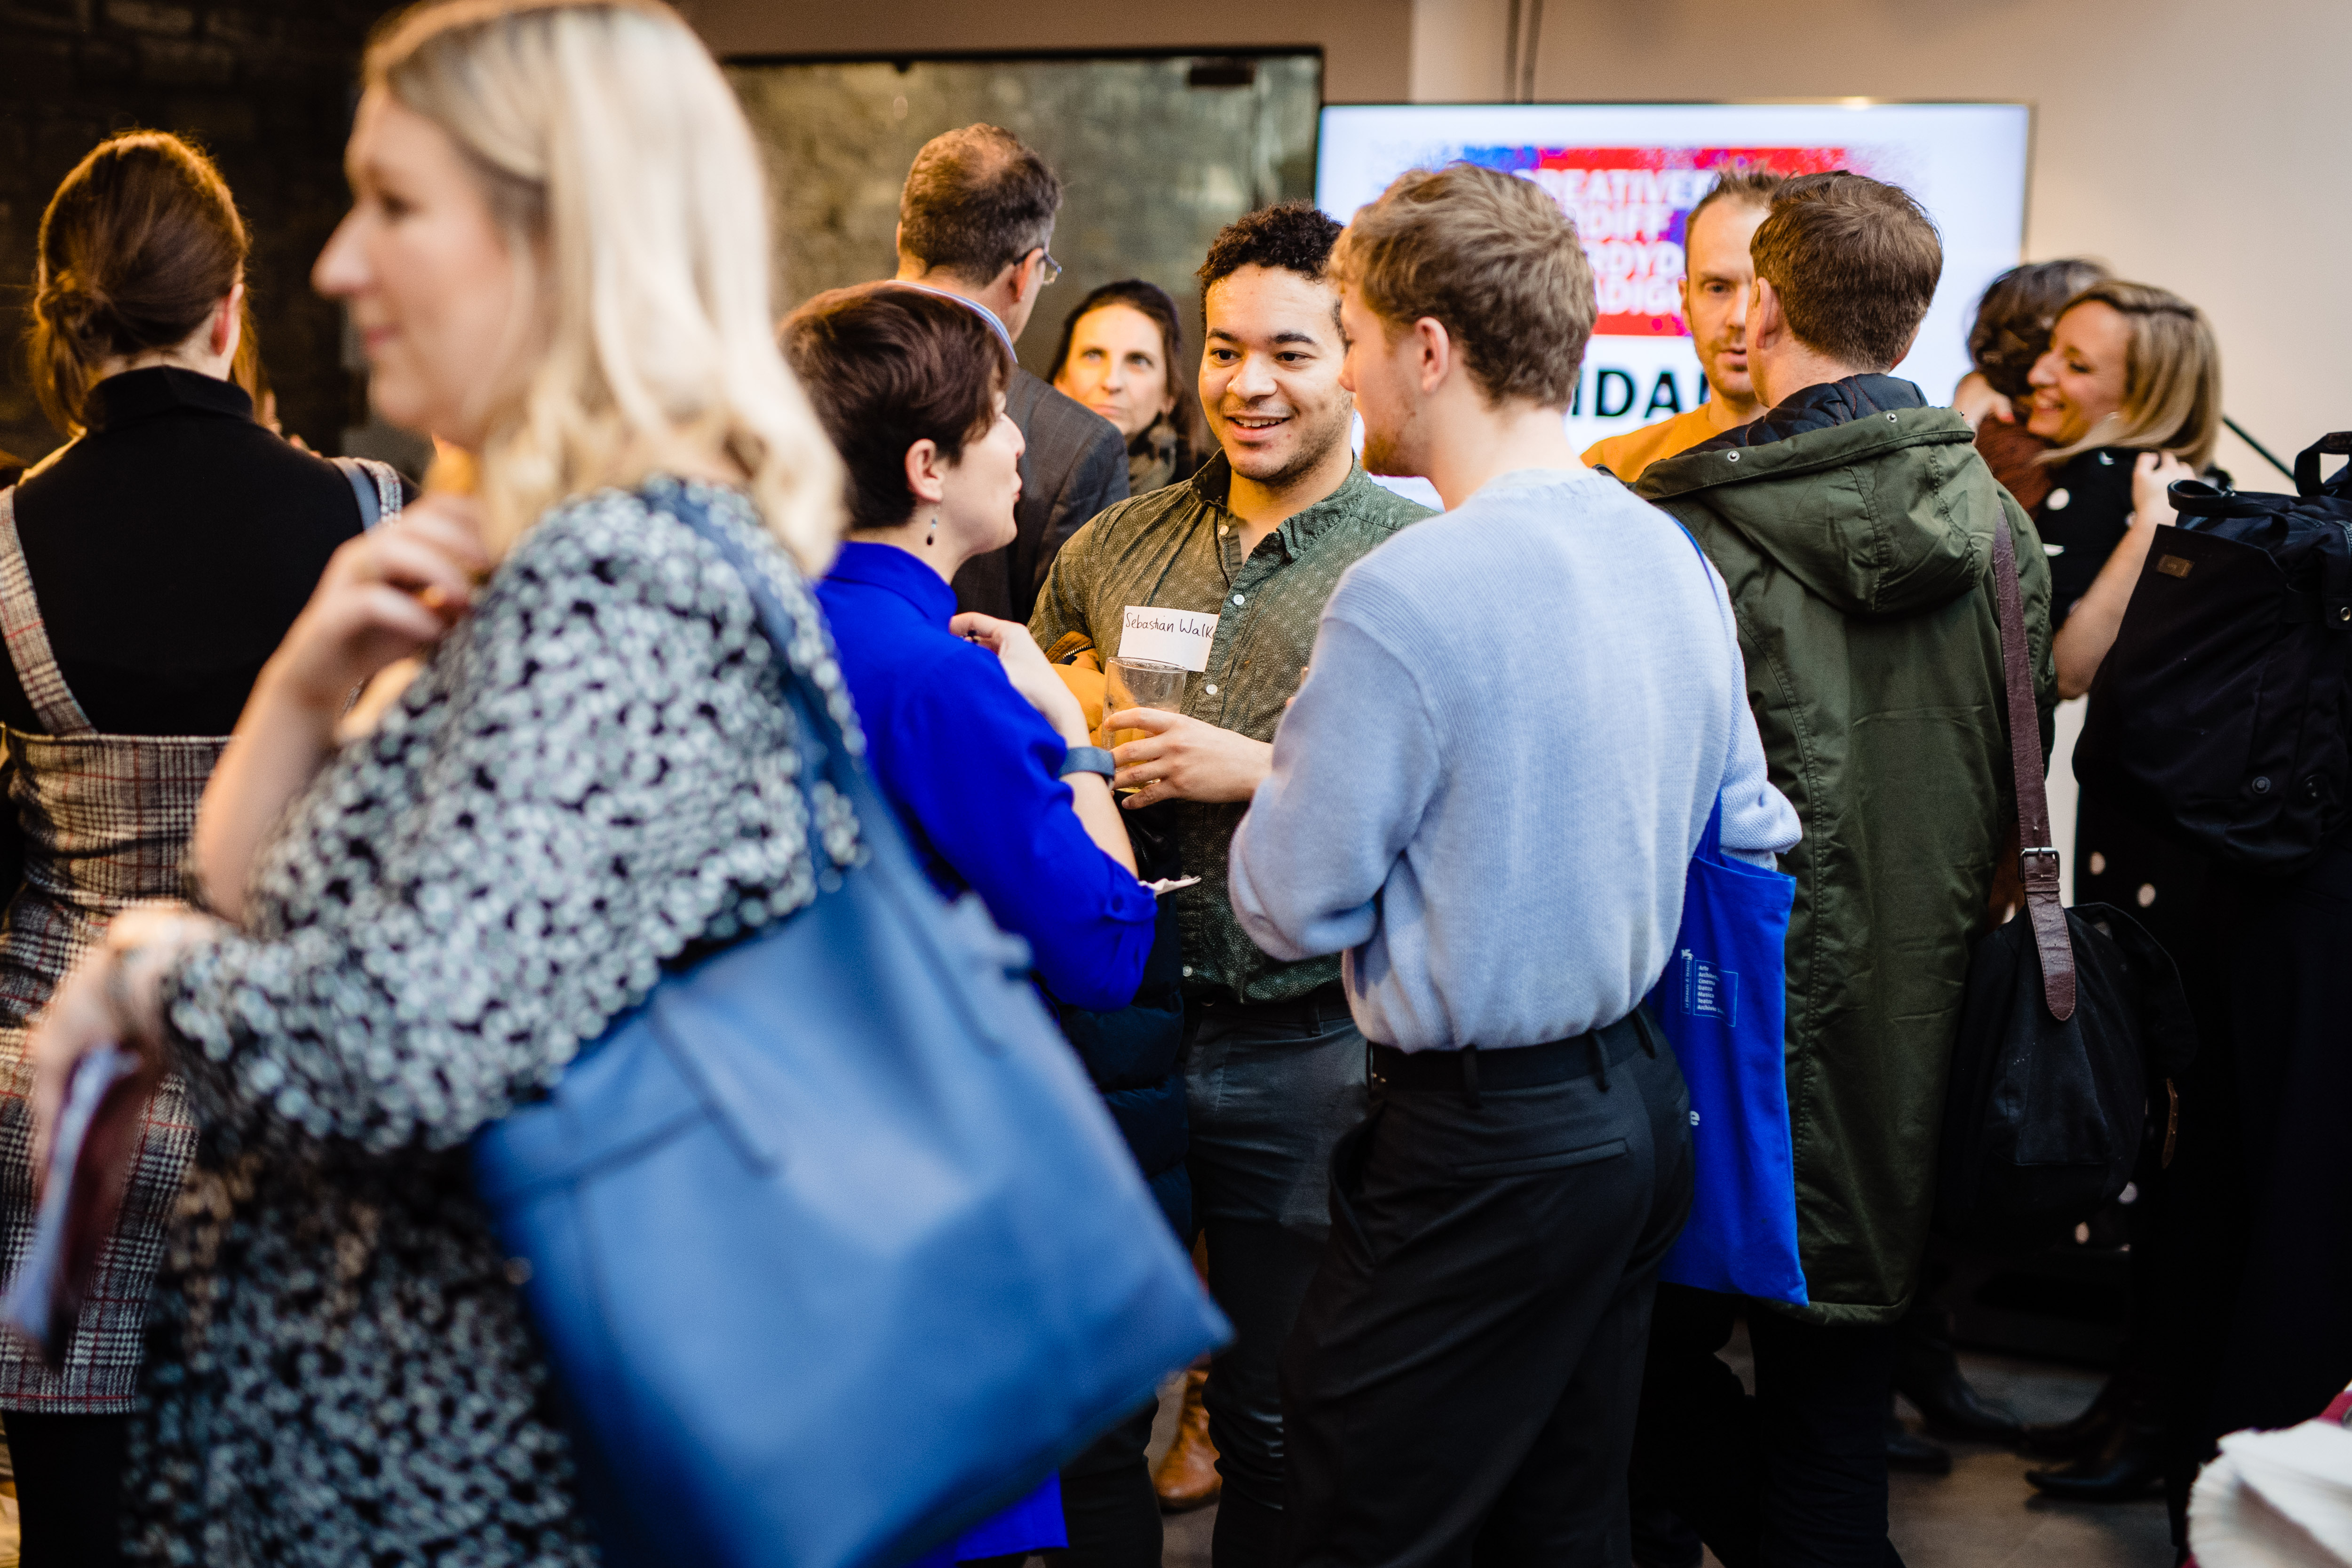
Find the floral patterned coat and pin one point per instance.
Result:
(592, 772)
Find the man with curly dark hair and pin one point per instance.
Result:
(1229, 575)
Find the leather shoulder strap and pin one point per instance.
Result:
(29, 637)
(2037, 855)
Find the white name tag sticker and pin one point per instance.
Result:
(1180, 638)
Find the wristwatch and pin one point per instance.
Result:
(1088, 759)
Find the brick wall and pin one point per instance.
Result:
(266, 85)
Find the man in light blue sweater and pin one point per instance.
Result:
(1517, 718)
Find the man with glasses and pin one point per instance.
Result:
(975, 220)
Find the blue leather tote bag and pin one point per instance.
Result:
(1722, 1001)
(832, 1246)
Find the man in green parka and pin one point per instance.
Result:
(1854, 525)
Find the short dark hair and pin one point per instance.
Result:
(2015, 315)
(1296, 236)
(1495, 259)
(976, 201)
(1742, 182)
(887, 366)
(1854, 261)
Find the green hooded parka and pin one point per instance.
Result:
(1859, 558)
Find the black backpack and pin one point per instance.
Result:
(2221, 716)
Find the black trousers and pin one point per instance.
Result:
(1793, 1478)
(1461, 1386)
(69, 1488)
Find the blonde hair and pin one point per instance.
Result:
(2172, 375)
(610, 147)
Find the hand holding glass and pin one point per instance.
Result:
(1138, 683)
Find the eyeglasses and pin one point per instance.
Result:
(1053, 269)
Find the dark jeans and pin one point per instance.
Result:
(1270, 1090)
(69, 1488)
(1793, 1478)
(1461, 1384)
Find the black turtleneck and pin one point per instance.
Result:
(170, 548)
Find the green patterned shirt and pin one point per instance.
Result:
(1179, 549)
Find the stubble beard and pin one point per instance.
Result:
(1314, 449)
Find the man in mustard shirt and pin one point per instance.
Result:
(1717, 279)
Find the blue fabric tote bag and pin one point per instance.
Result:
(831, 1243)
(1722, 1003)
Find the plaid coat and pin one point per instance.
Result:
(106, 821)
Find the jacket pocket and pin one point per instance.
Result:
(1553, 1160)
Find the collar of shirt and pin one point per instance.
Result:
(136, 394)
(899, 572)
(1214, 483)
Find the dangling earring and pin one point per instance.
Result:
(933, 537)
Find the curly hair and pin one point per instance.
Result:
(1296, 236)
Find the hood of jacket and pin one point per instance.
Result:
(1881, 514)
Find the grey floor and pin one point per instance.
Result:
(1982, 1515)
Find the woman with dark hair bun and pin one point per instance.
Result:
(1121, 354)
(986, 755)
(147, 569)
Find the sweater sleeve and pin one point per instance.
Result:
(593, 771)
(1758, 823)
(1356, 762)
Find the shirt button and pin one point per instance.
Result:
(1188, 972)
(1238, 598)
(1221, 534)
(1211, 688)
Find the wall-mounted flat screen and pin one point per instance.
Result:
(1629, 174)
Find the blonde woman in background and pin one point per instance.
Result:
(557, 259)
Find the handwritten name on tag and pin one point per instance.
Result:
(1180, 638)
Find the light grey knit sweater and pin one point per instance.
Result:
(1516, 719)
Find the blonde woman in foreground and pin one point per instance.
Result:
(556, 256)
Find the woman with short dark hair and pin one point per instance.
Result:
(1122, 355)
(990, 764)
(147, 570)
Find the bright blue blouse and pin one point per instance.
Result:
(969, 767)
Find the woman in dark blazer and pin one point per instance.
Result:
(147, 569)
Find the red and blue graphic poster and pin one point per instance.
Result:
(1631, 207)
(1629, 174)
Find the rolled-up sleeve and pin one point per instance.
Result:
(1356, 760)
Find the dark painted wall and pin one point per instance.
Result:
(266, 85)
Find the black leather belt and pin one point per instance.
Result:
(1469, 1070)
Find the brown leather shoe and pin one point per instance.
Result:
(1187, 1478)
